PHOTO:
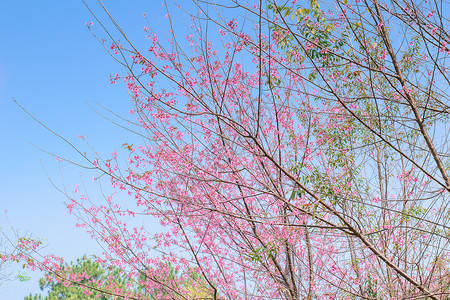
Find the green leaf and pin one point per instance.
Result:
(23, 277)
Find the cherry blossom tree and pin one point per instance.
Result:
(292, 150)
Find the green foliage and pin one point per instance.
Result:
(23, 277)
(264, 253)
(90, 271)
(311, 27)
(370, 288)
(113, 280)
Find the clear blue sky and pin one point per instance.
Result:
(51, 64)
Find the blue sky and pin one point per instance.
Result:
(52, 65)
